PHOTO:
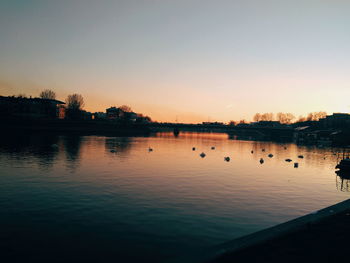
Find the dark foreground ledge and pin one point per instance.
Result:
(318, 237)
(322, 236)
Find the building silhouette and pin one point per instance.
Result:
(31, 108)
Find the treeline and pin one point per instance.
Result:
(282, 117)
(288, 118)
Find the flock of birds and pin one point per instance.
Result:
(227, 158)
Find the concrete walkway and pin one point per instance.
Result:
(323, 236)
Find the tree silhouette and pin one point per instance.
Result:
(285, 117)
(301, 119)
(147, 118)
(48, 94)
(267, 117)
(125, 108)
(233, 123)
(257, 117)
(315, 116)
(21, 96)
(75, 102)
(289, 117)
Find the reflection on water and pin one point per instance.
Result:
(95, 198)
(26, 146)
(72, 149)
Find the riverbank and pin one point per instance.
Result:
(80, 127)
(317, 237)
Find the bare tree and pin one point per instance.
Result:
(125, 108)
(315, 116)
(281, 117)
(257, 117)
(267, 117)
(233, 123)
(75, 102)
(289, 118)
(148, 118)
(21, 95)
(310, 117)
(301, 119)
(285, 117)
(48, 94)
(320, 114)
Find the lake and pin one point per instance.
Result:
(111, 199)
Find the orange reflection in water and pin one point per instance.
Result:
(120, 178)
(173, 171)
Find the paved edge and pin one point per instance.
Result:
(265, 234)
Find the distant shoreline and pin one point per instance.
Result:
(81, 127)
(126, 128)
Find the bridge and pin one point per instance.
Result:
(266, 133)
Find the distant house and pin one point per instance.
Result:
(99, 116)
(31, 108)
(61, 111)
(114, 113)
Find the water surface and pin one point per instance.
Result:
(110, 199)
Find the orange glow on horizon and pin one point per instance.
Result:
(196, 108)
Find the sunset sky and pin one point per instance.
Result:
(191, 60)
